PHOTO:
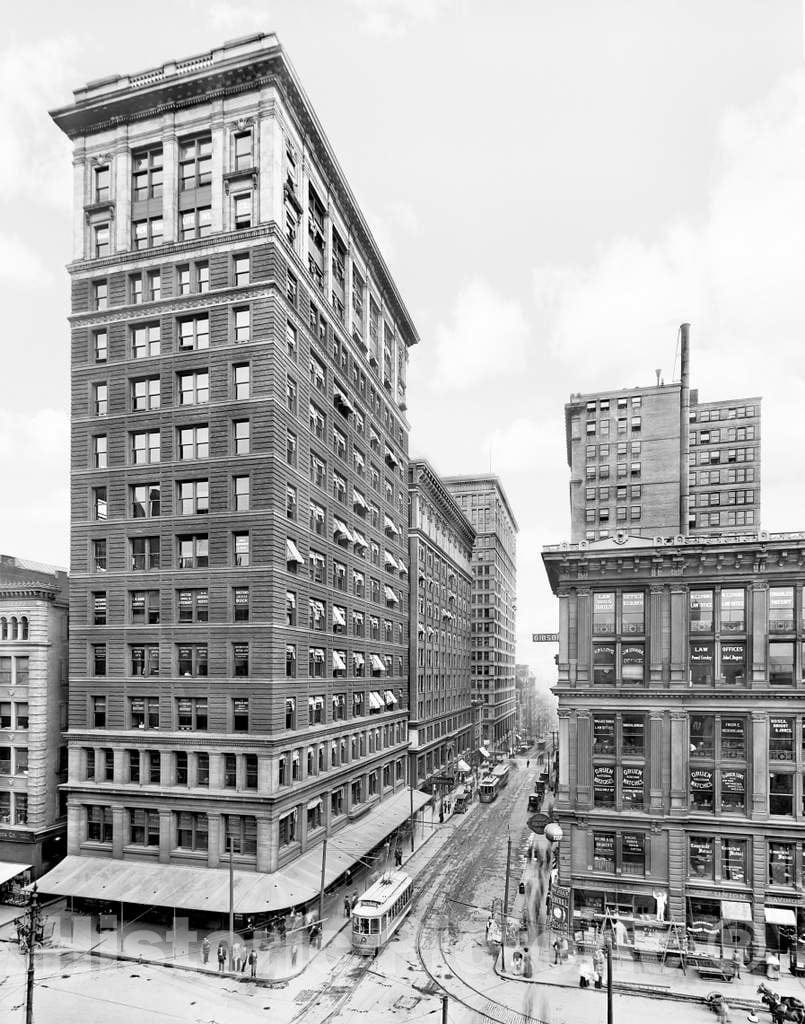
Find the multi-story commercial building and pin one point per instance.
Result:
(494, 595)
(239, 596)
(655, 462)
(33, 710)
(682, 737)
(525, 683)
(440, 543)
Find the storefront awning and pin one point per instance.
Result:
(781, 915)
(207, 889)
(483, 752)
(736, 910)
(9, 870)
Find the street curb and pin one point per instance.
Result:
(634, 989)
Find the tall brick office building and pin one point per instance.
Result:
(239, 645)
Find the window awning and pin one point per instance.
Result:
(338, 662)
(317, 653)
(390, 698)
(340, 528)
(357, 577)
(391, 458)
(318, 512)
(313, 804)
(781, 916)
(377, 663)
(430, 630)
(290, 599)
(420, 629)
(339, 619)
(388, 522)
(390, 560)
(9, 870)
(462, 766)
(375, 700)
(736, 910)
(343, 401)
(402, 566)
(290, 651)
(358, 659)
(359, 460)
(292, 552)
(390, 595)
(360, 540)
(358, 499)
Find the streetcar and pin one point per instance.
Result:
(380, 912)
(501, 773)
(488, 790)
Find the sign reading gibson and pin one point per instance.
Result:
(545, 638)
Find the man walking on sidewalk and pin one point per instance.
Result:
(347, 906)
(205, 950)
(221, 956)
(252, 963)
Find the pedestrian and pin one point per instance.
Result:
(354, 900)
(205, 950)
(556, 948)
(598, 967)
(527, 764)
(398, 857)
(252, 964)
(347, 906)
(488, 926)
(737, 959)
(249, 929)
(221, 956)
(527, 969)
(294, 952)
(282, 928)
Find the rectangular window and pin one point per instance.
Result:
(240, 659)
(781, 662)
(146, 234)
(604, 614)
(241, 381)
(701, 611)
(193, 497)
(145, 341)
(192, 551)
(604, 785)
(241, 432)
(702, 788)
(144, 553)
(702, 736)
(144, 607)
(241, 270)
(701, 857)
(194, 332)
(240, 710)
(192, 660)
(781, 863)
(193, 443)
(701, 663)
(604, 664)
(241, 549)
(604, 734)
(733, 859)
(733, 791)
(195, 223)
(240, 487)
(633, 615)
(733, 663)
(145, 447)
(242, 208)
(144, 712)
(145, 394)
(194, 388)
(732, 611)
(192, 605)
(633, 658)
(781, 738)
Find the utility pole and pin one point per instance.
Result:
(444, 1008)
(33, 935)
(505, 906)
(411, 791)
(231, 906)
(321, 890)
(609, 979)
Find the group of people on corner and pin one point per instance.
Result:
(241, 958)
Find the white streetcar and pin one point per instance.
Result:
(380, 912)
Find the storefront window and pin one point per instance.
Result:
(701, 788)
(701, 663)
(632, 662)
(733, 860)
(701, 856)
(781, 738)
(781, 793)
(632, 785)
(634, 736)
(604, 664)
(733, 664)
(701, 611)
(604, 734)
(781, 609)
(604, 614)
(781, 662)
(733, 738)
(632, 612)
(604, 785)
(733, 790)
(633, 853)
(733, 618)
(704, 924)
(701, 735)
(781, 863)
(604, 851)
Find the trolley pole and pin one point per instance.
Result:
(504, 910)
(609, 979)
(321, 890)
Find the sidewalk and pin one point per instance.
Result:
(278, 963)
(645, 977)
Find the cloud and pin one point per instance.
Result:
(486, 339)
(396, 17)
(20, 265)
(33, 79)
(398, 220)
(231, 20)
(34, 468)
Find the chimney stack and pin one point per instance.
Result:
(684, 431)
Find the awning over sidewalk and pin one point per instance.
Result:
(9, 869)
(463, 767)
(207, 889)
(736, 910)
(781, 915)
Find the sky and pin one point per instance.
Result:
(556, 186)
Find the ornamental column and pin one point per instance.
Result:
(679, 634)
(655, 746)
(760, 765)
(759, 596)
(655, 617)
(583, 758)
(585, 637)
(563, 792)
(680, 749)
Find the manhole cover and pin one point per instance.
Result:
(406, 1002)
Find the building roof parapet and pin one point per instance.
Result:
(624, 541)
(254, 61)
(421, 474)
(483, 481)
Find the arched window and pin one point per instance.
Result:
(3, 628)
(24, 627)
(13, 627)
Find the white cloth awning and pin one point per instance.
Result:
(781, 915)
(390, 595)
(391, 458)
(339, 619)
(736, 910)
(390, 560)
(358, 659)
(292, 552)
(313, 804)
(430, 631)
(483, 752)
(377, 663)
(340, 529)
(343, 401)
(388, 522)
(402, 566)
(290, 598)
(359, 539)
(390, 698)
(9, 870)
(375, 700)
(317, 653)
(358, 499)
(338, 661)
(420, 629)
(462, 766)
